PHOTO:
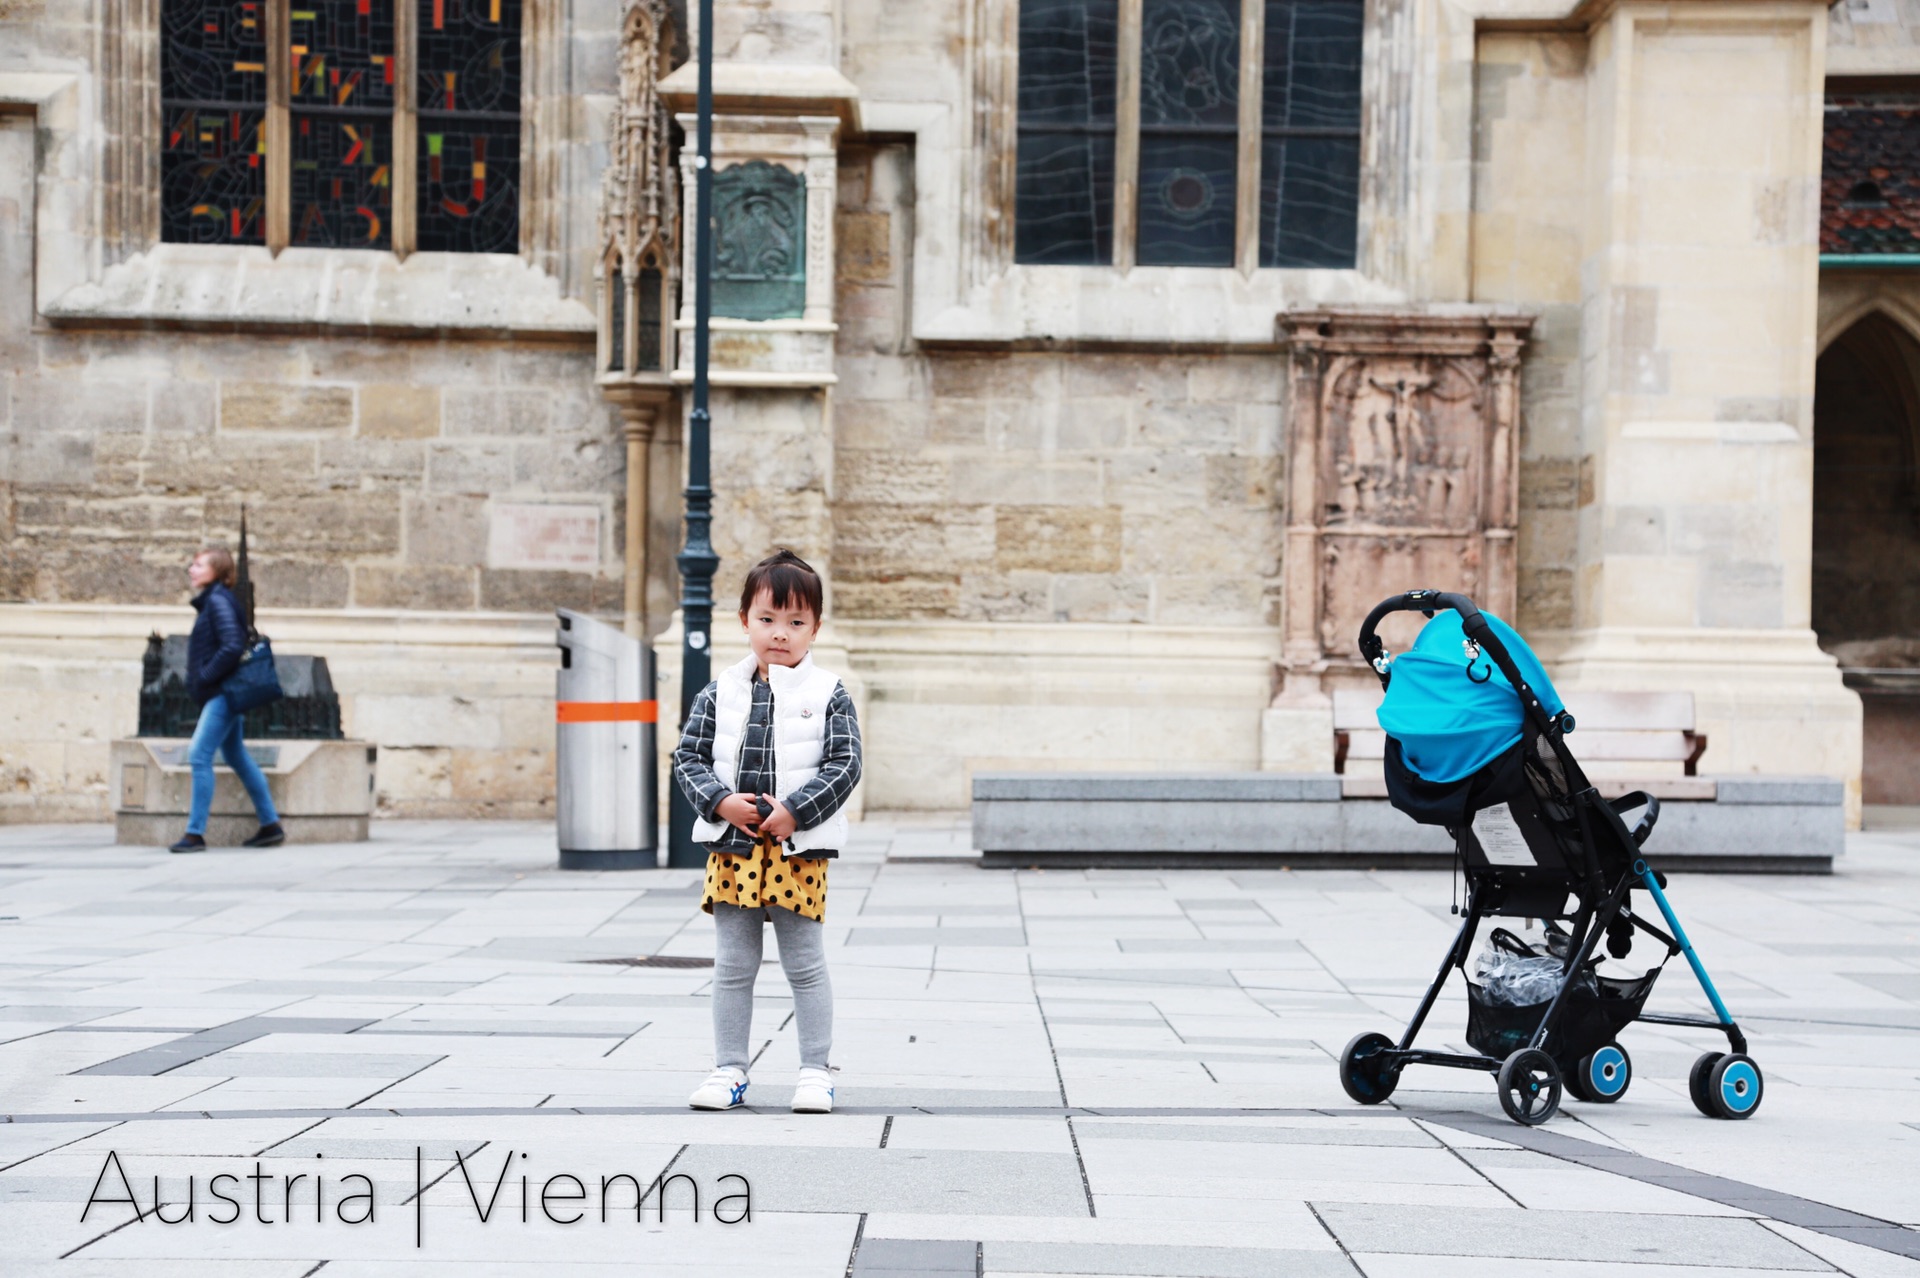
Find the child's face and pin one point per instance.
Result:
(779, 636)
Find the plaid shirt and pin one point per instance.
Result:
(811, 804)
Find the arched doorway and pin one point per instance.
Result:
(1866, 541)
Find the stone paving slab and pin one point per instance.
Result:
(1084, 1072)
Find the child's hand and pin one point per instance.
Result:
(780, 824)
(737, 810)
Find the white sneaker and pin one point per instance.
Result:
(724, 1089)
(813, 1094)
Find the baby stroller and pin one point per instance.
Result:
(1476, 744)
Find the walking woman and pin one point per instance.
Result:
(213, 652)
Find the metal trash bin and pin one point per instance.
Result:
(604, 717)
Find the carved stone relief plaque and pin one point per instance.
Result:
(1401, 469)
(760, 228)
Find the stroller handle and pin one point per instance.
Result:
(1476, 628)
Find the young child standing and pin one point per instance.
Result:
(768, 757)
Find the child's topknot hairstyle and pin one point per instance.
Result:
(790, 579)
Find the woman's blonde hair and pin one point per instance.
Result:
(220, 559)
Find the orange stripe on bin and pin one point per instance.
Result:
(606, 711)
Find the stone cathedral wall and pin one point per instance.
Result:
(376, 474)
(1049, 503)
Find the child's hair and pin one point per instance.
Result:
(790, 579)
(220, 559)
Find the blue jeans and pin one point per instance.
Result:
(219, 733)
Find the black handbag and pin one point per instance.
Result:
(254, 682)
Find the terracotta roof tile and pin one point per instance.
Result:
(1877, 145)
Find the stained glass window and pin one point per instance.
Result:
(342, 180)
(339, 66)
(618, 283)
(1310, 133)
(469, 106)
(1064, 168)
(1189, 131)
(652, 304)
(1193, 155)
(213, 87)
(342, 70)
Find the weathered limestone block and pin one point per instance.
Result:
(525, 590)
(331, 524)
(367, 462)
(92, 404)
(389, 411)
(446, 529)
(209, 464)
(1009, 476)
(1076, 539)
(865, 246)
(424, 588)
(299, 583)
(889, 477)
(306, 410)
(470, 467)
(415, 774)
(498, 411)
(502, 781)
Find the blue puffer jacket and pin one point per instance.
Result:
(219, 639)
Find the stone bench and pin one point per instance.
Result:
(1623, 740)
(1269, 820)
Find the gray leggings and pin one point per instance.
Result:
(803, 953)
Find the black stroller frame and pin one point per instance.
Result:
(1583, 849)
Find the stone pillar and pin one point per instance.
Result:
(640, 409)
(1699, 294)
(822, 173)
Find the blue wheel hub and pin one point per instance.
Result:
(1740, 1087)
(1607, 1072)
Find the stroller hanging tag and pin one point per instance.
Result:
(1500, 837)
(1473, 655)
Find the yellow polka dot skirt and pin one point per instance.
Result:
(763, 877)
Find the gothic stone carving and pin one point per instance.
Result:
(1401, 468)
(639, 212)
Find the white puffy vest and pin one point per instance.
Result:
(800, 697)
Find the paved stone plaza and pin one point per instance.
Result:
(1041, 1073)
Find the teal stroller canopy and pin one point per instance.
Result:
(1452, 716)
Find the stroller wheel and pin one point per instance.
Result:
(1530, 1086)
(1602, 1076)
(1697, 1082)
(1366, 1072)
(1734, 1087)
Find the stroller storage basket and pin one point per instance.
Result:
(1589, 1020)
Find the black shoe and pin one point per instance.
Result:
(189, 843)
(267, 836)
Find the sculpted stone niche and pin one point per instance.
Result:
(639, 225)
(1402, 473)
(774, 187)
